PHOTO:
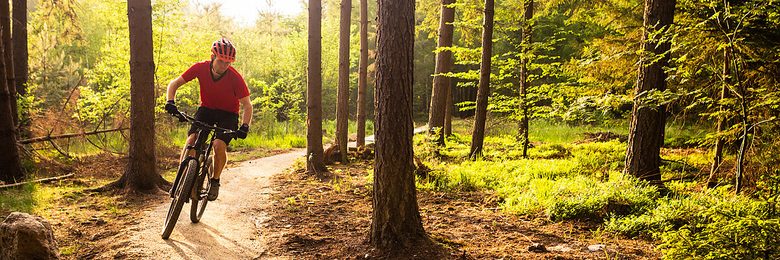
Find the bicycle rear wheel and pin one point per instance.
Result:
(202, 186)
(181, 195)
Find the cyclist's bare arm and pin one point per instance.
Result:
(246, 116)
(173, 86)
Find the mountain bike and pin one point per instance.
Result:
(191, 178)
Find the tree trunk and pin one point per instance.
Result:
(448, 112)
(342, 107)
(395, 221)
(438, 107)
(141, 173)
(646, 135)
(5, 22)
(362, 75)
(10, 163)
(315, 163)
(746, 126)
(20, 59)
(478, 135)
(525, 39)
(718, 158)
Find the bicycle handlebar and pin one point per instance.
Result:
(192, 120)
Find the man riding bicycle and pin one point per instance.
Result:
(222, 89)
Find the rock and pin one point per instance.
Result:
(537, 248)
(596, 248)
(563, 248)
(23, 236)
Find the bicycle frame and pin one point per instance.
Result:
(204, 132)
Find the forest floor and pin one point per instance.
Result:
(265, 210)
(315, 219)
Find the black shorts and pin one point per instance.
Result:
(223, 119)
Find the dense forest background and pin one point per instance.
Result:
(719, 178)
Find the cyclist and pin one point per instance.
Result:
(222, 89)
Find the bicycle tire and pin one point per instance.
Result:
(198, 205)
(178, 201)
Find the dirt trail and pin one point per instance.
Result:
(231, 227)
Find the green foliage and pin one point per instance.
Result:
(713, 224)
(562, 181)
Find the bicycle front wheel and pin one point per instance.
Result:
(181, 195)
(200, 196)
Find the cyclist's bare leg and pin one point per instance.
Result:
(190, 141)
(220, 157)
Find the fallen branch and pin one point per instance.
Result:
(39, 180)
(54, 137)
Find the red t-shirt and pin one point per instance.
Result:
(222, 94)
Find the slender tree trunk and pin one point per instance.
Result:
(141, 173)
(8, 50)
(646, 136)
(441, 84)
(448, 112)
(718, 158)
(342, 107)
(743, 145)
(395, 221)
(20, 59)
(362, 75)
(315, 163)
(10, 163)
(483, 92)
(525, 35)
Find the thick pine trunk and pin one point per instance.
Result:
(362, 75)
(718, 157)
(646, 135)
(525, 40)
(5, 22)
(483, 92)
(342, 107)
(315, 163)
(141, 173)
(441, 84)
(395, 221)
(20, 58)
(10, 164)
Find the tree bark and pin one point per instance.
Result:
(646, 135)
(478, 135)
(438, 106)
(719, 143)
(362, 75)
(525, 39)
(395, 221)
(20, 54)
(448, 112)
(10, 163)
(141, 173)
(342, 107)
(315, 158)
(5, 22)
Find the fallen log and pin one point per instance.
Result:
(34, 181)
(63, 136)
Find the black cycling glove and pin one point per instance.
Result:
(242, 131)
(171, 108)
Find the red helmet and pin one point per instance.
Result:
(224, 50)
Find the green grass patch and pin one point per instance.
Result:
(34, 198)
